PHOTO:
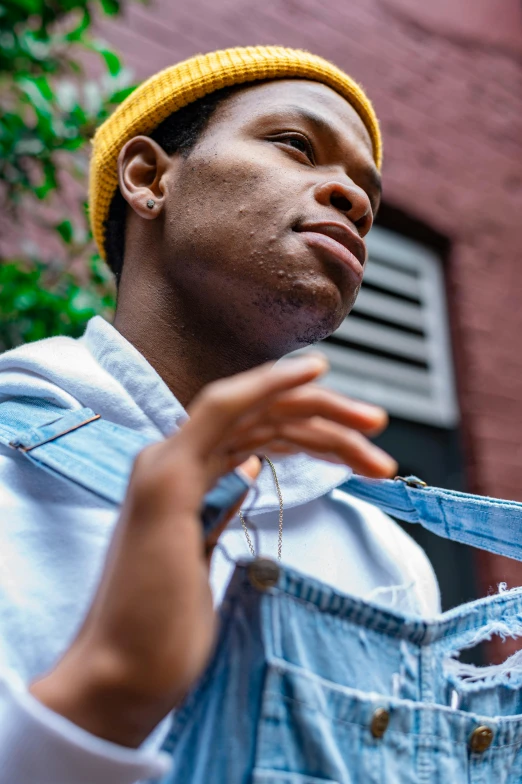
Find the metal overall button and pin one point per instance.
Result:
(380, 721)
(481, 739)
(411, 481)
(263, 573)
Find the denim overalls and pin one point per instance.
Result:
(309, 686)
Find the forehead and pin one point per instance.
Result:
(288, 96)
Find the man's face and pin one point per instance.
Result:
(265, 219)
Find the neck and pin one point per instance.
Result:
(187, 353)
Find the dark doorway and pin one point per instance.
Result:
(434, 455)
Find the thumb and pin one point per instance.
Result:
(252, 469)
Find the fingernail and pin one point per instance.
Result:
(388, 463)
(310, 361)
(369, 409)
(250, 469)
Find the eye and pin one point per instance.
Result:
(298, 143)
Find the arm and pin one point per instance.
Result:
(150, 629)
(39, 746)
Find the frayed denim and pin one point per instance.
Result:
(309, 686)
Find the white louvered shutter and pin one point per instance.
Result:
(394, 348)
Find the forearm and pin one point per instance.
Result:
(106, 712)
(39, 745)
(110, 697)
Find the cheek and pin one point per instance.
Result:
(236, 199)
(234, 216)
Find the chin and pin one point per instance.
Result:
(312, 323)
(316, 331)
(303, 313)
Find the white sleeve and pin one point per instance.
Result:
(38, 746)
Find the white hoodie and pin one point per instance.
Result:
(54, 536)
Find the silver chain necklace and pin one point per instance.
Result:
(280, 534)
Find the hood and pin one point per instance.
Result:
(104, 372)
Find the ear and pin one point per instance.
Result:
(142, 164)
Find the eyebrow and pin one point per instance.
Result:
(314, 119)
(370, 172)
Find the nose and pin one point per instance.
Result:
(349, 199)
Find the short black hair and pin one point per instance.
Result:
(179, 132)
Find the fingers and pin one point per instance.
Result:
(276, 407)
(312, 400)
(319, 438)
(221, 404)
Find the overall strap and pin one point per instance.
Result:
(98, 455)
(80, 446)
(77, 444)
(488, 523)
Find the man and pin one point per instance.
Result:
(231, 196)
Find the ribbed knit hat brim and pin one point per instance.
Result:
(179, 85)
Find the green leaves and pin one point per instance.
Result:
(36, 304)
(110, 7)
(65, 230)
(49, 182)
(76, 34)
(48, 112)
(112, 61)
(120, 95)
(28, 6)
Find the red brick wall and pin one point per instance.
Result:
(448, 90)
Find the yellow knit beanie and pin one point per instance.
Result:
(177, 86)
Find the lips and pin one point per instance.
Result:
(338, 241)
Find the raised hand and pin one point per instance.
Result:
(151, 627)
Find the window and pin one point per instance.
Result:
(394, 348)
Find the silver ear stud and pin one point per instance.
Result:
(151, 203)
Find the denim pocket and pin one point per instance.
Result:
(312, 732)
(280, 777)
